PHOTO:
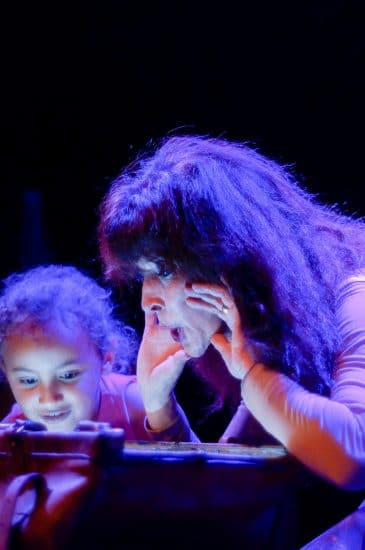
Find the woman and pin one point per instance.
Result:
(234, 253)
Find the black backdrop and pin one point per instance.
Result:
(84, 85)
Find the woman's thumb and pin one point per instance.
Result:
(177, 362)
(222, 345)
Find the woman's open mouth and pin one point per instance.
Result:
(177, 334)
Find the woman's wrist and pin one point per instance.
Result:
(164, 417)
(247, 374)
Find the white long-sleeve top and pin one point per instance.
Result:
(327, 434)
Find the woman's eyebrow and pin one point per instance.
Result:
(143, 271)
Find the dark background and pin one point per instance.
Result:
(85, 85)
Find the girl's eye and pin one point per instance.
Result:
(69, 376)
(27, 381)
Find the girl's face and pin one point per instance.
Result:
(164, 294)
(54, 374)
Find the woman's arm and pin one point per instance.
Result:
(325, 434)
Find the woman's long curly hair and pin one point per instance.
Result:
(217, 210)
(45, 294)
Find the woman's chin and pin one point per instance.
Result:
(195, 349)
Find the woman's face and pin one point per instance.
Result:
(164, 294)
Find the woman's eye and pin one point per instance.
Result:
(165, 274)
(139, 277)
(28, 381)
(69, 375)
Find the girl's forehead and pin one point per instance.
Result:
(51, 338)
(52, 331)
(27, 329)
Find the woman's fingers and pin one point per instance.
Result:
(150, 320)
(216, 293)
(208, 306)
(227, 313)
(200, 294)
(158, 384)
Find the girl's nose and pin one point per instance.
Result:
(48, 393)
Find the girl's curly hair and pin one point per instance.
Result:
(57, 292)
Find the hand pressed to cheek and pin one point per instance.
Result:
(214, 299)
(230, 344)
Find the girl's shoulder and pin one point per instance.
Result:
(112, 382)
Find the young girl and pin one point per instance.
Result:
(66, 357)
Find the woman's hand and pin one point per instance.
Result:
(159, 364)
(230, 342)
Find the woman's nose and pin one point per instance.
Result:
(152, 297)
(152, 304)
